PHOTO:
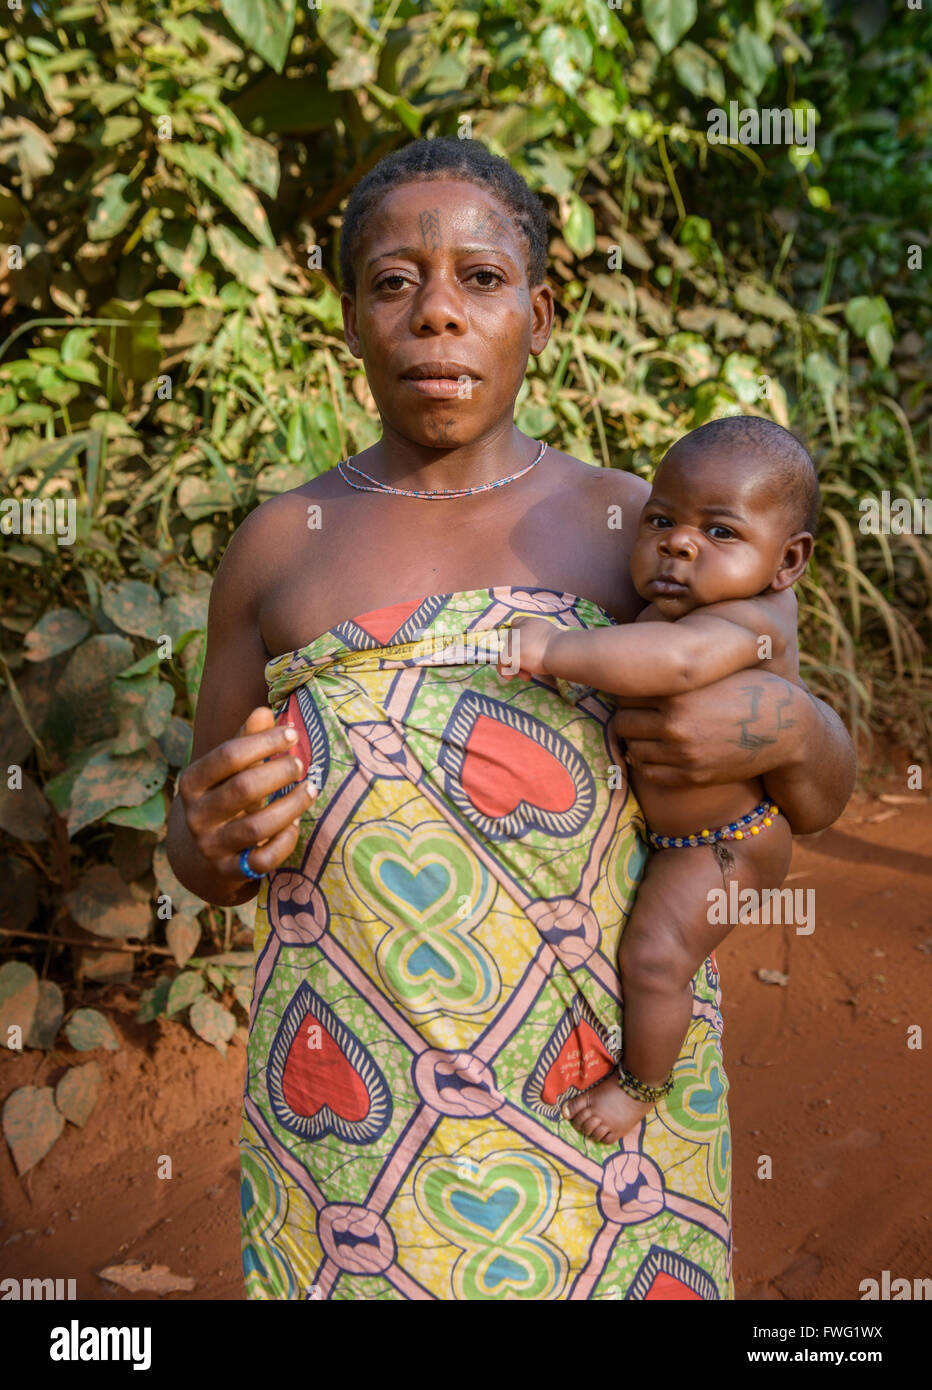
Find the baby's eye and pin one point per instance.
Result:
(725, 534)
(659, 522)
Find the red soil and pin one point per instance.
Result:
(822, 1081)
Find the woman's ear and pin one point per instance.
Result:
(541, 297)
(795, 558)
(348, 305)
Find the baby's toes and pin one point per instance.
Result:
(574, 1107)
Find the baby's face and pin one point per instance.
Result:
(709, 532)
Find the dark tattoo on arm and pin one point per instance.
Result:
(430, 228)
(752, 739)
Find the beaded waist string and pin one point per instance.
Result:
(752, 824)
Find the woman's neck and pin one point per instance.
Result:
(403, 463)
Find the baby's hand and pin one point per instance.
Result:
(525, 648)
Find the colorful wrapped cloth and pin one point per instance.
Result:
(436, 974)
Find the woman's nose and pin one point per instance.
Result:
(438, 308)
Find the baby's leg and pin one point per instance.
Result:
(666, 939)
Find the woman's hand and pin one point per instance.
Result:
(751, 724)
(223, 797)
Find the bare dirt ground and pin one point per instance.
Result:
(822, 1081)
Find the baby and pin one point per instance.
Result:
(725, 533)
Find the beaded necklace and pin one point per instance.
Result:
(442, 492)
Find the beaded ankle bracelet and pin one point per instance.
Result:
(753, 823)
(639, 1090)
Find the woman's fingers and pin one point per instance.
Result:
(264, 858)
(259, 826)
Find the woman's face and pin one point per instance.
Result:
(443, 317)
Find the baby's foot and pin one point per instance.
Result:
(606, 1113)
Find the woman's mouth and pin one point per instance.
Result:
(442, 387)
(442, 380)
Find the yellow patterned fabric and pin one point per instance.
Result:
(436, 974)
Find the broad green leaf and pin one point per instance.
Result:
(185, 612)
(184, 990)
(31, 1124)
(76, 1092)
(357, 65)
(103, 904)
(239, 256)
(880, 343)
(212, 1022)
(143, 706)
(203, 164)
(19, 999)
(260, 165)
(862, 312)
(192, 664)
(202, 497)
(742, 373)
(152, 1002)
(116, 129)
(265, 26)
(134, 607)
(182, 934)
(181, 247)
(151, 815)
(87, 1029)
(175, 742)
(699, 72)
(579, 228)
(112, 207)
(668, 20)
(106, 782)
(751, 58)
(567, 54)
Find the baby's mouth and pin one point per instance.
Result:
(665, 586)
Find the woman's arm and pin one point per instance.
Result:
(751, 724)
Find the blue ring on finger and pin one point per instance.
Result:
(244, 863)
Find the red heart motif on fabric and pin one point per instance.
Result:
(315, 1076)
(667, 1288)
(383, 623)
(581, 1062)
(503, 768)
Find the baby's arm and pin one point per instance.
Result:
(654, 658)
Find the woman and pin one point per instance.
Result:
(437, 931)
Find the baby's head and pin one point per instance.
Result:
(732, 514)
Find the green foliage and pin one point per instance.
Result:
(171, 176)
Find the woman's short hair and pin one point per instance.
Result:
(445, 157)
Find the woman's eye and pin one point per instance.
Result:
(725, 534)
(492, 275)
(391, 282)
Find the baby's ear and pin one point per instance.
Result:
(796, 555)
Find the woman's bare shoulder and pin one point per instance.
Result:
(613, 484)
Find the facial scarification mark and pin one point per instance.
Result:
(429, 221)
(493, 224)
